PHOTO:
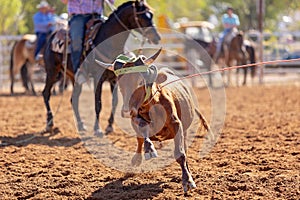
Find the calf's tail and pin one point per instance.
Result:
(210, 137)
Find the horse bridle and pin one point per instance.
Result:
(144, 30)
(135, 13)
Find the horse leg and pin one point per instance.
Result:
(245, 76)
(24, 76)
(63, 85)
(30, 73)
(114, 92)
(228, 62)
(229, 78)
(252, 74)
(237, 77)
(75, 103)
(12, 80)
(98, 106)
(50, 80)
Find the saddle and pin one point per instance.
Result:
(92, 28)
(59, 40)
(30, 41)
(230, 36)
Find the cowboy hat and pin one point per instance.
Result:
(43, 4)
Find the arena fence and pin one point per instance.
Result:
(6, 44)
(174, 45)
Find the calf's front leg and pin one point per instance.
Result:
(137, 158)
(142, 128)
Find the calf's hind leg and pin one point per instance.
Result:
(180, 156)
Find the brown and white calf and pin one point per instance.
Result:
(157, 113)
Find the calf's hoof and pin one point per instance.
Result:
(136, 160)
(152, 154)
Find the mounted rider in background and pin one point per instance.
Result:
(44, 22)
(230, 22)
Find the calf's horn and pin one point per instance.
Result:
(151, 59)
(104, 65)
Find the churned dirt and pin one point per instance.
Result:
(257, 155)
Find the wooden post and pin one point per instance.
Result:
(261, 38)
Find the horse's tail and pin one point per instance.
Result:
(251, 52)
(24, 75)
(11, 68)
(240, 37)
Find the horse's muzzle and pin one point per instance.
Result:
(152, 35)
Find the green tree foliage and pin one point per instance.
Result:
(29, 9)
(10, 11)
(16, 15)
(247, 11)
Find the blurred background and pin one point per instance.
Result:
(280, 23)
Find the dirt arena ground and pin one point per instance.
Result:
(256, 157)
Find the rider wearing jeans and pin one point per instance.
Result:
(43, 23)
(81, 11)
(229, 21)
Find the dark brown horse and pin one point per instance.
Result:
(128, 16)
(233, 52)
(251, 58)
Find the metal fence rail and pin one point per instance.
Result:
(173, 44)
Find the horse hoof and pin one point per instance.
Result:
(109, 129)
(150, 155)
(81, 127)
(48, 129)
(136, 160)
(98, 133)
(189, 186)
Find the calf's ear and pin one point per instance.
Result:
(151, 74)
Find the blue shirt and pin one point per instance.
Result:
(233, 20)
(41, 22)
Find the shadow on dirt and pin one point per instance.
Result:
(38, 138)
(126, 188)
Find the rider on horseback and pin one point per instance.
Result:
(81, 12)
(229, 21)
(43, 25)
